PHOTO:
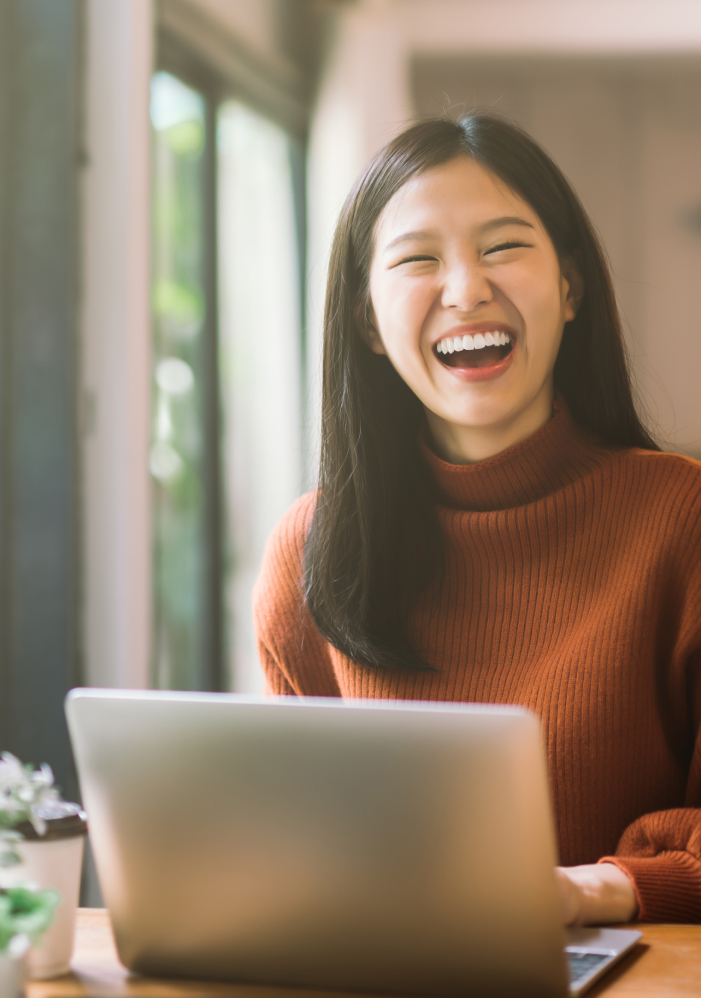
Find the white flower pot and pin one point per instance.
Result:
(58, 864)
(13, 972)
(54, 859)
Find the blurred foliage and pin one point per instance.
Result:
(178, 139)
(25, 912)
(186, 138)
(177, 301)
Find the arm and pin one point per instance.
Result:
(655, 873)
(597, 894)
(661, 852)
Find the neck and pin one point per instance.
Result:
(457, 443)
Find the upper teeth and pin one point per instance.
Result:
(476, 342)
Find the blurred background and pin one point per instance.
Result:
(170, 175)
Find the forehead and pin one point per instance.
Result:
(459, 194)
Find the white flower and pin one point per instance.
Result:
(12, 772)
(24, 791)
(38, 823)
(8, 803)
(44, 775)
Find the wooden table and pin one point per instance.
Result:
(667, 963)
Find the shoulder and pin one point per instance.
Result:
(665, 488)
(667, 475)
(679, 464)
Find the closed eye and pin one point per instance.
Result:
(513, 244)
(413, 259)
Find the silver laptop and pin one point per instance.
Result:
(375, 846)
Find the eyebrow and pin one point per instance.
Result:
(498, 223)
(494, 223)
(408, 237)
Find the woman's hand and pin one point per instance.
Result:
(596, 894)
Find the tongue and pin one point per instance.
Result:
(486, 357)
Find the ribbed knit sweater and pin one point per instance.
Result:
(573, 587)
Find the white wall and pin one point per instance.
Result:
(116, 344)
(601, 27)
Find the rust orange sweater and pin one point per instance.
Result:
(573, 588)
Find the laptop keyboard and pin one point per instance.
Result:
(581, 964)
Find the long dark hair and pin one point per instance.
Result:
(373, 494)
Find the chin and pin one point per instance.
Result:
(491, 410)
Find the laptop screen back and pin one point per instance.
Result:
(374, 846)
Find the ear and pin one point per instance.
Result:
(575, 286)
(367, 327)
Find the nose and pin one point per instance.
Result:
(466, 287)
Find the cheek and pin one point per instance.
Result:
(380, 304)
(542, 306)
(399, 309)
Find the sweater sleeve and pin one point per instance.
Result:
(661, 852)
(295, 657)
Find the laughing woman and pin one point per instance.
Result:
(493, 522)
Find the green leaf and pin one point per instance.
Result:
(27, 911)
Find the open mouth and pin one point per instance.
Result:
(474, 351)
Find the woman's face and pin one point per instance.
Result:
(469, 301)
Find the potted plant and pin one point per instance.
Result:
(41, 845)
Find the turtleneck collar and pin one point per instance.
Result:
(552, 458)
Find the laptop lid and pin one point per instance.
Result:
(377, 846)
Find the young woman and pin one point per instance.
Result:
(493, 522)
